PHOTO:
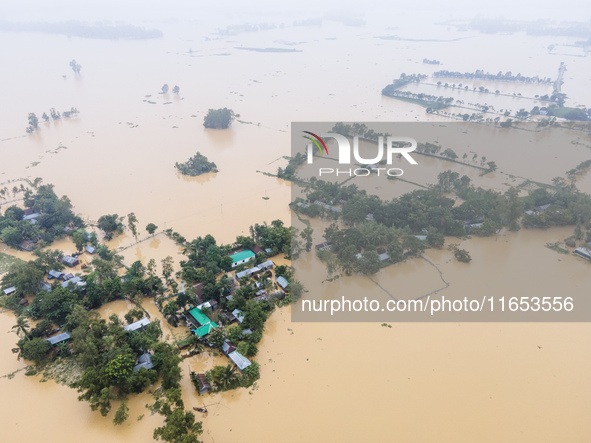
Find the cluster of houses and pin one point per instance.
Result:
(240, 361)
(327, 206)
(202, 326)
(538, 209)
(67, 280)
(143, 361)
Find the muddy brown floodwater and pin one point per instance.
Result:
(319, 382)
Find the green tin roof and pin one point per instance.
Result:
(241, 256)
(205, 329)
(199, 316)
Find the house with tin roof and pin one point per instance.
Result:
(239, 360)
(64, 336)
(139, 325)
(242, 257)
(144, 361)
(281, 281)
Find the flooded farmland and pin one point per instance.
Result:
(325, 382)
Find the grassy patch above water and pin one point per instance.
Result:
(6, 261)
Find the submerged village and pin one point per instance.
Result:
(223, 295)
(123, 330)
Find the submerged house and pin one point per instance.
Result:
(246, 273)
(90, 249)
(59, 275)
(32, 218)
(197, 318)
(64, 336)
(239, 360)
(281, 281)
(144, 361)
(583, 252)
(45, 286)
(266, 265)
(256, 249)
(384, 256)
(203, 385)
(201, 323)
(204, 330)
(228, 347)
(239, 315)
(139, 325)
(242, 257)
(323, 246)
(73, 282)
(70, 261)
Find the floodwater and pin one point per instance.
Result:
(319, 382)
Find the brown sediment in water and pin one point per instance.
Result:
(321, 382)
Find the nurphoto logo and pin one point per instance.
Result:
(394, 145)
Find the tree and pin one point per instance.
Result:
(45, 117)
(165, 88)
(217, 337)
(218, 118)
(33, 120)
(75, 67)
(132, 224)
(151, 228)
(435, 239)
(11, 236)
(122, 413)
(151, 268)
(224, 377)
(492, 166)
(462, 255)
(196, 165)
(22, 324)
(176, 90)
(36, 350)
(179, 425)
(109, 223)
(26, 277)
(369, 263)
(450, 154)
(79, 240)
(167, 267)
(306, 235)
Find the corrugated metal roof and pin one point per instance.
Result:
(239, 360)
(266, 264)
(10, 290)
(281, 281)
(72, 281)
(238, 314)
(59, 338)
(137, 325)
(144, 361)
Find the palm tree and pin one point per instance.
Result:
(195, 345)
(227, 378)
(225, 283)
(22, 324)
(347, 268)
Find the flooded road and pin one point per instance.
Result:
(319, 382)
